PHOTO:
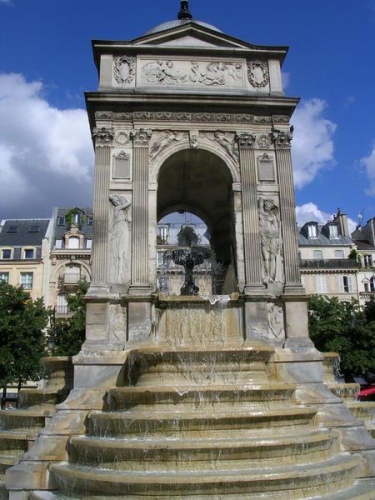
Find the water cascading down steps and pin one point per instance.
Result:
(204, 424)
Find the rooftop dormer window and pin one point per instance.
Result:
(12, 229)
(312, 231)
(61, 221)
(333, 231)
(34, 228)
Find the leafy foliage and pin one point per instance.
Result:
(345, 328)
(69, 333)
(22, 341)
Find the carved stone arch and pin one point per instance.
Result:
(158, 162)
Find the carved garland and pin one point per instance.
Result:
(124, 70)
(258, 74)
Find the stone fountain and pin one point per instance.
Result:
(177, 396)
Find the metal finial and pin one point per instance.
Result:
(184, 11)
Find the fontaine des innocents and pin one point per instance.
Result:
(185, 395)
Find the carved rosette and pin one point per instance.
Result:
(264, 141)
(246, 140)
(103, 136)
(122, 138)
(124, 70)
(141, 137)
(281, 139)
(258, 74)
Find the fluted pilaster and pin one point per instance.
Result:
(252, 241)
(140, 254)
(103, 141)
(282, 141)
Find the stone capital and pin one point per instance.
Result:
(141, 137)
(281, 139)
(103, 136)
(246, 140)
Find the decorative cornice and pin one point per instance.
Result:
(281, 139)
(141, 137)
(103, 136)
(246, 140)
(184, 117)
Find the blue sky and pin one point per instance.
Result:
(46, 64)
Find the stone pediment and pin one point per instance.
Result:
(194, 35)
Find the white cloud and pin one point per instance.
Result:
(369, 164)
(313, 148)
(5, 1)
(46, 155)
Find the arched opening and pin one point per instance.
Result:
(200, 183)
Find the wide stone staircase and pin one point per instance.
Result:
(206, 424)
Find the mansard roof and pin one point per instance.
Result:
(23, 232)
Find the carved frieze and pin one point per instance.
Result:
(124, 70)
(281, 139)
(183, 117)
(141, 137)
(193, 73)
(162, 140)
(258, 74)
(103, 136)
(280, 118)
(246, 140)
(225, 140)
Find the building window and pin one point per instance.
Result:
(347, 284)
(367, 260)
(61, 221)
(62, 305)
(29, 253)
(27, 280)
(372, 284)
(321, 284)
(4, 277)
(34, 228)
(312, 231)
(339, 254)
(366, 286)
(88, 244)
(6, 254)
(76, 218)
(59, 244)
(72, 275)
(73, 243)
(90, 220)
(13, 229)
(318, 255)
(162, 234)
(333, 231)
(161, 259)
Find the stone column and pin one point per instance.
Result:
(140, 283)
(252, 241)
(282, 142)
(103, 141)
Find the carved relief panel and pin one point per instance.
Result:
(266, 169)
(121, 166)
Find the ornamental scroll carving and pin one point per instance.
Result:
(103, 136)
(226, 140)
(141, 137)
(258, 74)
(162, 140)
(210, 74)
(246, 140)
(282, 139)
(124, 70)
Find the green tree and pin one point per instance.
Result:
(68, 334)
(343, 327)
(22, 339)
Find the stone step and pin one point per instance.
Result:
(327, 477)
(200, 454)
(12, 441)
(186, 367)
(24, 419)
(362, 490)
(118, 424)
(266, 395)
